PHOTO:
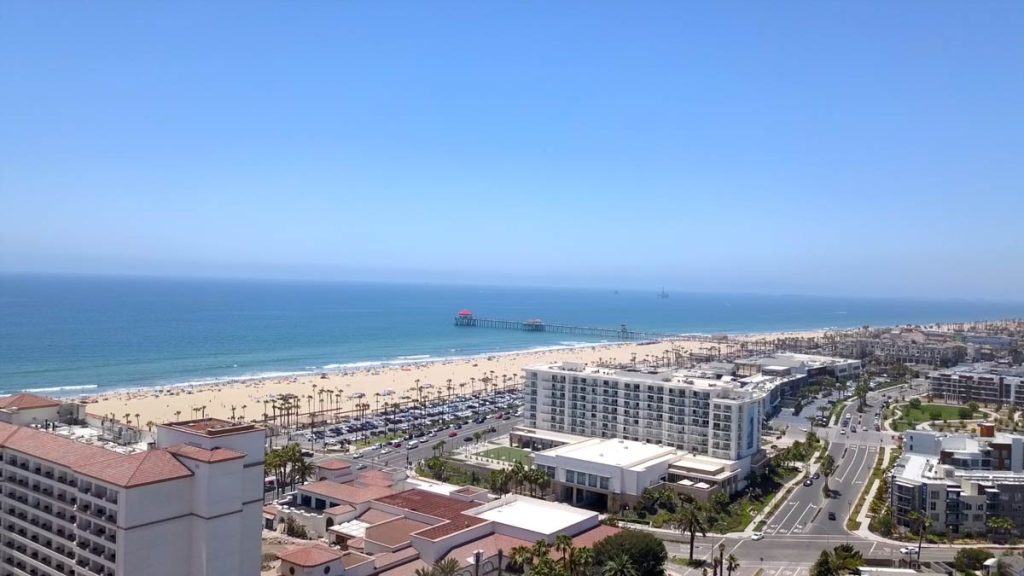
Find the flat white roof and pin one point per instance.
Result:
(532, 514)
(612, 451)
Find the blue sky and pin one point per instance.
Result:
(807, 147)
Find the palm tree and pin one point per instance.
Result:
(177, 414)
(1000, 525)
(582, 562)
(731, 564)
(244, 406)
(920, 523)
(828, 467)
(521, 557)
(692, 519)
(620, 565)
(563, 545)
(150, 425)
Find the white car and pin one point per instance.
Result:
(908, 550)
(357, 455)
(386, 451)
(757, 536)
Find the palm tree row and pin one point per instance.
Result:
(288, 466)
(518, 477)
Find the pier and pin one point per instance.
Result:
(466, 318)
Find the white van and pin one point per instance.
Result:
(412, 444)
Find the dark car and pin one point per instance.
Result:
(808, 482)
(831, 515)
(816, 475)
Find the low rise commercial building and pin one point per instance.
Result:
(812, 366)
(609, 474)
(413, 529)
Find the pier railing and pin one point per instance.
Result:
(620, 333)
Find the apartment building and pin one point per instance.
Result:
(720, 418)
(959, 481)
(907, 347)
(985, 383)
(188, 506)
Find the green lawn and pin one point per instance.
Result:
(507, 454)
(928, 412)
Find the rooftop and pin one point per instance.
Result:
(204, 455)
(532, 514)
(346, 493)
(27, 402)
(611, 451)
(125, 470)
(393, 532)
(211, 427)
(309, 555)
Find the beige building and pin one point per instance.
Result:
(190, 505)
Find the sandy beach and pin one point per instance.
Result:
(248, 396)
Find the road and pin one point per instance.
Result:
(786, 555)
(806, 511)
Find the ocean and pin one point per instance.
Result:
(78, 334)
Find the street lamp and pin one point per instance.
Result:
(721, 558)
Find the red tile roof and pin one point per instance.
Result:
(333, 464)
(310, 556)
(428, 503)
(490, 546)
(393, 532)
(346, 493)
(350, 559)
(438, 506)
(375, 478)
(125, 470)
(356, 543)
(56, 449)
(339, 509)
(27, 402)
(137, 469)
(372, 516)
(203, 455)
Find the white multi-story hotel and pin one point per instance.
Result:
(190, 506)
(720, 418)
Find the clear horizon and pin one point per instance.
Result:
(840, 149)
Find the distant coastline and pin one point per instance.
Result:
(72, 335)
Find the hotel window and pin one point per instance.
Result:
(592, 480)
(570, 477)
(604, 483)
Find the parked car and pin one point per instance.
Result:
(831, 515)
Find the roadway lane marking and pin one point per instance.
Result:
(799, 521)
(792, 509)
